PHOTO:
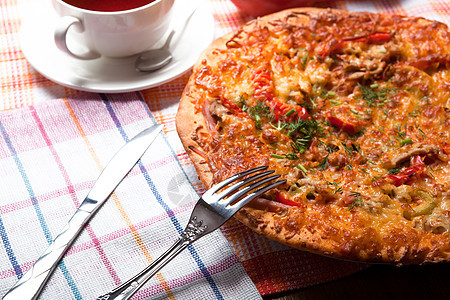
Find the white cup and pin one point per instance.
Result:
(110, 34)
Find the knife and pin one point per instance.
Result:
(32, 283)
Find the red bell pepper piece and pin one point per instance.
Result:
(328, 48)
(282, 199)
(345, 125)
(398, 180)
(377, 38)
(406, 176)
(232, 107)
(446, 148)
(374, 38)
(263, 84)
(280, 110)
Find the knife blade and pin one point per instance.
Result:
(33, 281)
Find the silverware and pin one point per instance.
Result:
(212, 210)
(32, 283)
(155, 59)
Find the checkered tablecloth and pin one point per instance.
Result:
(53, 143)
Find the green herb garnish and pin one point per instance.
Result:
(405, 141)
(260, 110)
(302, 168)
(323, 165)
(289, 113)
(357, 202)
(372, 95)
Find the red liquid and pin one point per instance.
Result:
(108, 5)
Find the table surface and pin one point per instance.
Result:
(381, 282)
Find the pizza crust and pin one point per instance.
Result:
(403, 247)
(299, 227)
(189, 126)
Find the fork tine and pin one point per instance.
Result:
(249, 188)
(241, 183)
(256, 194)
(231, 179)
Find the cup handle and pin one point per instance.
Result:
(60, 36)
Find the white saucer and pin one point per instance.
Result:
(109, 75)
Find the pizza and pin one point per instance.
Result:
(352, 109)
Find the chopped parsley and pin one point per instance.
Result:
(289, 113)
(290, 156)
(280, 125)
(242, 103)
(302, 168)
(357, 201)
(398, 130)
(373, 95)
(337, 187)
(301, 132)
(259, 111)
(350, 149)
(323, 165)
(405, 142)
(394, 171)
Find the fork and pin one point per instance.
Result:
(212, 210)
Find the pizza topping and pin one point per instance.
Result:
(258, 112)
(280, 197)
(208, 115)
(425, 203)
(345, 120)
(352, 200)
(334, 46)
(264, 94)
(406, 154)
(408, 175)
(273, 206)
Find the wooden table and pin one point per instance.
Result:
(382, 282)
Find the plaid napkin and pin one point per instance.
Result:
(51, 155)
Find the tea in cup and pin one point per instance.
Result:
(111, 28)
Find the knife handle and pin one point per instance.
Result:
(32, 283)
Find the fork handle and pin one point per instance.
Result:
(194, 230)
(129, 288)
